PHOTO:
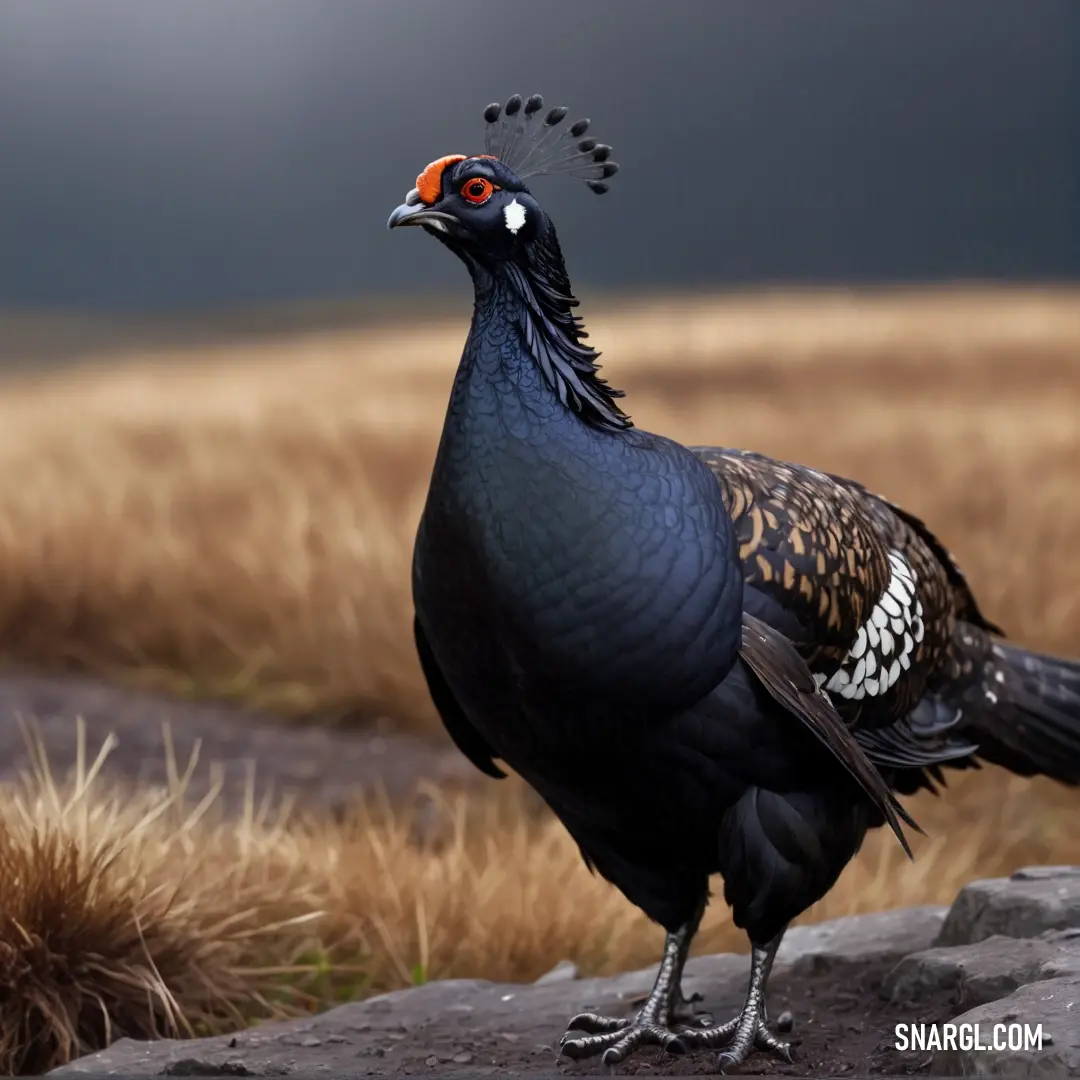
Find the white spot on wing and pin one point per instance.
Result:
(886, 642)
(890, 605)
(514, 213)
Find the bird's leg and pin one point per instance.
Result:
(665, 1006)
(747, 1032)
(682, 1009)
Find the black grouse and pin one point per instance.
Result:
(704, 660)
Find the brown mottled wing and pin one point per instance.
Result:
(804, 539)
(828, 553)
(909, 534)
(783, 672)
(909, 531)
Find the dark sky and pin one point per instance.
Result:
(180, 153)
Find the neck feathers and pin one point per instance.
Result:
(554, 335)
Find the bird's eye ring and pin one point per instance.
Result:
(477, 191)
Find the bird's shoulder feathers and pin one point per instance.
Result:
(875, 595)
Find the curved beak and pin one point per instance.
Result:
(419, 214)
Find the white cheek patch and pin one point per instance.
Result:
(514, 213)
(886, 642)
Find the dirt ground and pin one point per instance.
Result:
(839, 1027)
(839, 1024)
(320, 769)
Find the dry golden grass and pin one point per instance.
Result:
(149, 916)
(238, 520)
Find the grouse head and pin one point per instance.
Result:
(480, 206)
(481, 209)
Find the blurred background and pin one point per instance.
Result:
(845, 233)
(185, 155)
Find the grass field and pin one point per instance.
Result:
(236, 519)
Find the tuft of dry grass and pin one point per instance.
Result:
(116, 920)
(237, 519)
(148, 916)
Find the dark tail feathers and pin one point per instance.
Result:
(1024, 713)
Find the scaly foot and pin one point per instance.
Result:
(656, 1021)
(738, 1039)
(620, 1037)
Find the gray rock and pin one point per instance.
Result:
(829, 946)
(824, 983)
(474, 1028)
(1025, 905)
(1044, 873)
(463, 1027)
(1053, 1006)
(563, 971)
(987, 971)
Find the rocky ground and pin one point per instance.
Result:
(1006, 952)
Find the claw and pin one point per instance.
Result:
(676, 1047)
(737, 1041)
(668, 1019)
(731, 1059)
(658, 1021)
(739, 1038)
(616, 1043)
(594, 1024)
(615, 1038)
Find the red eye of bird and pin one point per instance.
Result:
(477, 191)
